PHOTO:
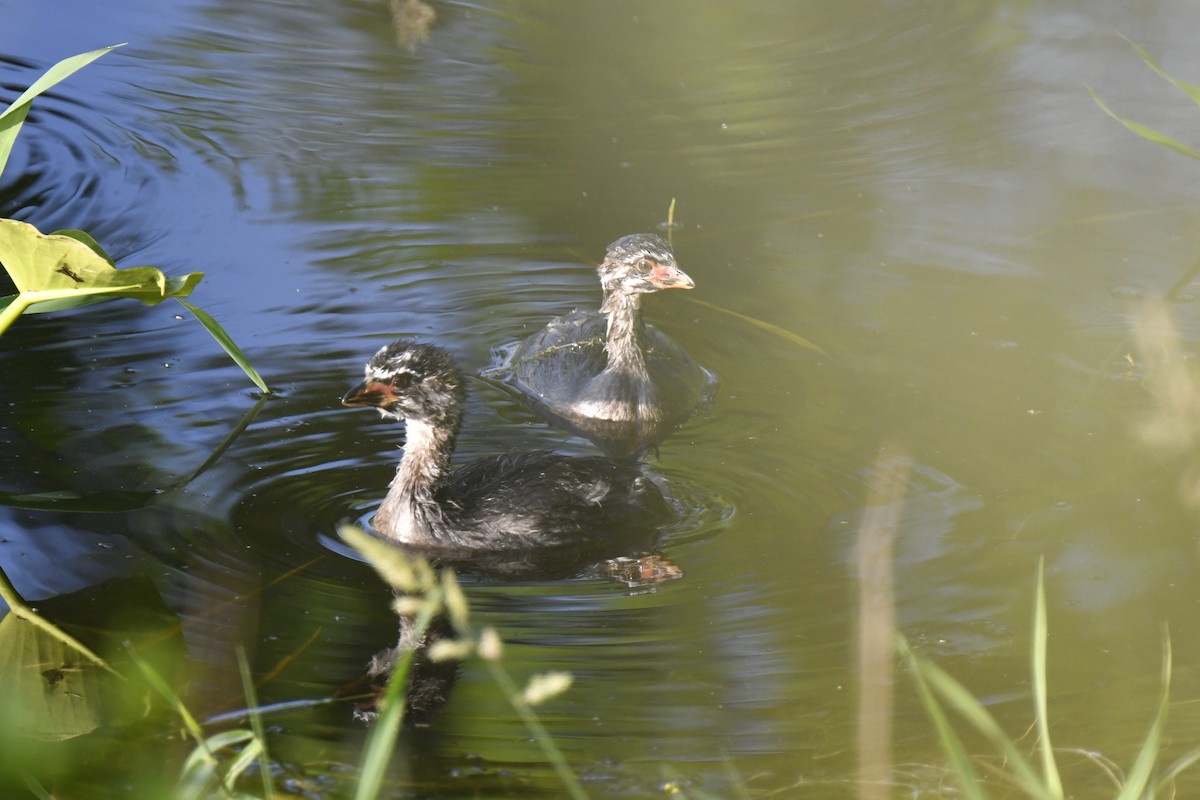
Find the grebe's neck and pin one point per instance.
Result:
(410, 513)
(623, 390)
(626, 333)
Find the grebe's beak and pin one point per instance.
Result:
(669, 276)
(370, 393)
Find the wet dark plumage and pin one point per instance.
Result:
(510, 501)
(607, 374)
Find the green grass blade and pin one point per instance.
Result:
(386, 729)
(960, 762)
(256, 724)
(957, 696)
(232, 738)
(56, 74)
(1191, 90)
(13, 116)
(253, 751)
(1143, 766)
(167, 693)
(10, 126)
(227, 344)
(202, 770)
(1040, 636)
(1146, 133)
(195, 778)
(794, 338)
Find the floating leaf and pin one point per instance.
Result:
(18, 608)
(66, 272)
(62, 265)
(45, 306)
(69, 268)
(86, 238)
(53, 692)
(106, 502)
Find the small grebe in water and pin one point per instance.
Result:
(607, 374)
(500, 502)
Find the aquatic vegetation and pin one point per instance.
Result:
(1147, 132)
(775, 330)
(55, 689)
(67, 269)
(939, 691)
(424, 594)
(208, 769)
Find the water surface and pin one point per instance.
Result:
(925, 191)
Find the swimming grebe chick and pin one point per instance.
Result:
(607, 374)
(529, 499)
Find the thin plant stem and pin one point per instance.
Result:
(960, 762)
(189, 722)
(159, 685)
(11, 311)
(256, 724)
(540, 734)
(671, 223)
(229, 439)
(386, 729)
(1050, 774)
(783, 333)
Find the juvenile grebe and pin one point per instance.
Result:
(514, 501)
(607, 374)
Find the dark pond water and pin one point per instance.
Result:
(924, 190)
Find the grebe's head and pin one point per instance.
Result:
(409, 380)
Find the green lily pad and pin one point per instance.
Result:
(59, 267)
(69, 269)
